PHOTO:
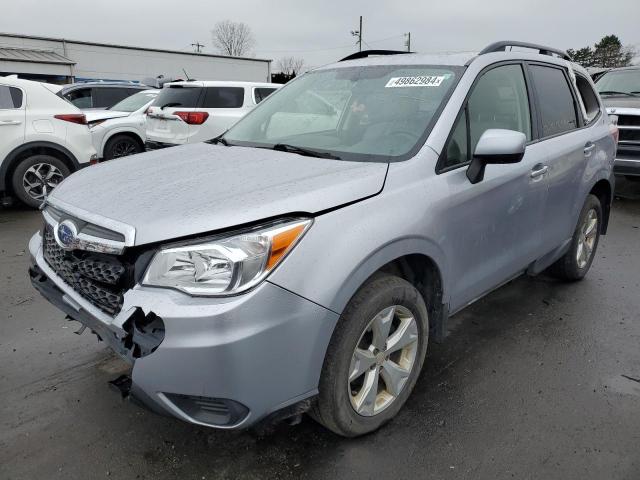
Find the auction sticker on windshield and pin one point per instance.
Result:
(421, 81)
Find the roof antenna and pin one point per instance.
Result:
(186, 75)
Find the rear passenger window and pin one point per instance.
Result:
(10, 97)
(499, 100)
(260, 94)
(178, 96)
(223, 97)
(557, 107)
(106, 97)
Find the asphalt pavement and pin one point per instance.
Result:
(538, 380)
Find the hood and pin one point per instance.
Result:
(621, 101)
(95, 115)
(197, 188)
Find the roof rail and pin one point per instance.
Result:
(502, 47)
(368, 53)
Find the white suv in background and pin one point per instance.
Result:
(195, 111)
(121, 130)
(43, 138)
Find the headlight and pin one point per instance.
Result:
(225, 265)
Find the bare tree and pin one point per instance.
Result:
(233, 38)
(291, 65)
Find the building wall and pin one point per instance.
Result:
(118, 63)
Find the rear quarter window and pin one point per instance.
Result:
(260, 93)
(557, 106)
(589, 99)
(223, 97)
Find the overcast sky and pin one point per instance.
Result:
(318, 30)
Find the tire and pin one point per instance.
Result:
(338, 398)
(121, 146)
(36, 176)
(568, 267)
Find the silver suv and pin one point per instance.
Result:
(302, 260)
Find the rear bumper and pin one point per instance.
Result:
(221, 362)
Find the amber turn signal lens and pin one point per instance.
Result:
(281, 243)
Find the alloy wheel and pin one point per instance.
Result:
(123, 148)
(587, 238)
(383, 360)
(40, 179)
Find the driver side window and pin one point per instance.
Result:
(499, 100)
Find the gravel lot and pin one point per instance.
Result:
(538, 380)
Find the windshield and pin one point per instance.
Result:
(619, 82)
(134, 102)
(372, 113)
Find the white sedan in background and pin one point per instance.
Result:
(120, 130)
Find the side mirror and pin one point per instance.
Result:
(496, 146)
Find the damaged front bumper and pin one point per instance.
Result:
(220, 362)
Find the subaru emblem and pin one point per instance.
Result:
(66, 234)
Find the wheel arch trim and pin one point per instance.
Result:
(11, 160)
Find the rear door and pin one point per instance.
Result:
(568, 145)
(12, 119)
(163, 125)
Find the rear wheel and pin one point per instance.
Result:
(575, 264)
(374, 357)
(35, 177)
(121, 146)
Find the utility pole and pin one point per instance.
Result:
(358, 33)
(407, 43)
(197, 46)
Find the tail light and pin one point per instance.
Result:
(193, 118)
(78, 118)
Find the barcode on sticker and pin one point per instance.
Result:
(422, 81)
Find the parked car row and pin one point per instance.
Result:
(304, 259)
(48, 131)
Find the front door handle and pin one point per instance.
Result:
(588, 148)
(10, 122)
(539, 170)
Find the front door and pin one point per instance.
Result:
(493, 227)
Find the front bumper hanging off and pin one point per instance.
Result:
(221, 362)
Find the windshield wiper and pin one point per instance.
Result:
(614, 92)
(307, 152)
(171, 104)
(219, 139)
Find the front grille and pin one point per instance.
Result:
(99, 278)
(632, 136)
(629, 120)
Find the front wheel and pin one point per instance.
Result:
(35, 177)
(374, 357)
(575, 264)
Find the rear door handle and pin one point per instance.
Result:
(539, 170)
(10, 122)
(588, 148)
